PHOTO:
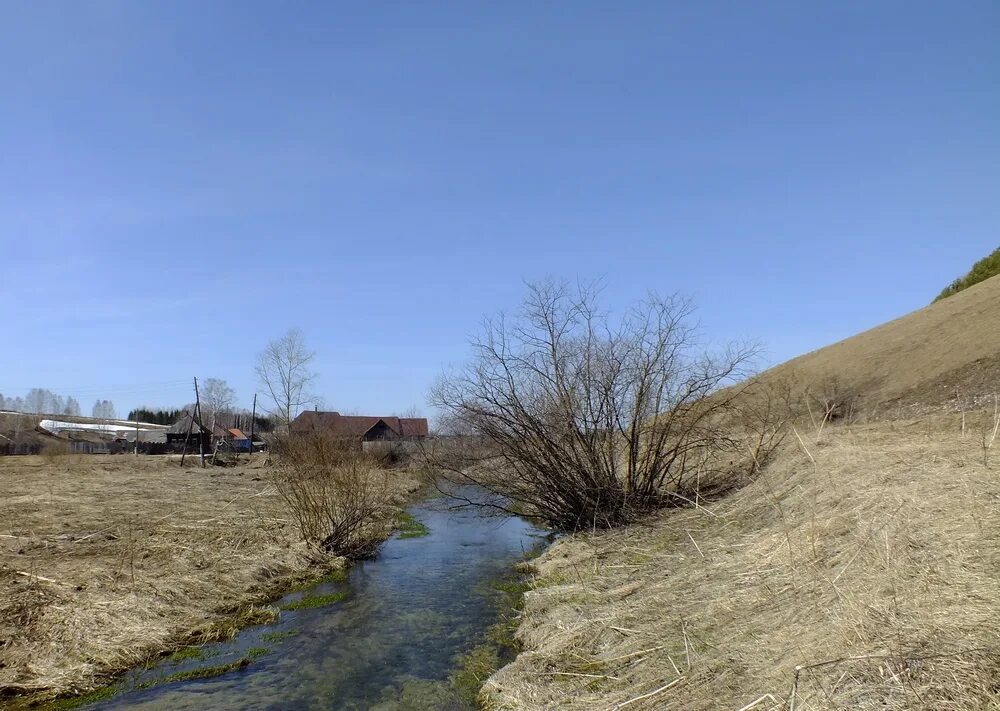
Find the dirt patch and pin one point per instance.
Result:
(106, 562)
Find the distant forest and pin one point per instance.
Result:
(240, 419)
(981, 271)
(40, 401)
(155, 417)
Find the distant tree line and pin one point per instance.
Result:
(227, 418)
(155, 417)
(217, 410)
(238, 418)
(981, 271)
(40, 401)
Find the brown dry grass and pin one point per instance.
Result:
(872, 561)
(107, 561)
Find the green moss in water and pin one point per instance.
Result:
(472, 670)
(499, 645)
(312, 601)
(236, 619)
(102, 694)
(335, 576)
(513, 588)
(181, 655)
(274, 637)
(202, 673)
(409, 527)
(184, 654)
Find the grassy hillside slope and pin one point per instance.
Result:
(861, 570)
(920, 361)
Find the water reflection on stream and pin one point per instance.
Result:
(388, 645)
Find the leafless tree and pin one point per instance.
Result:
(586, 420)
(104, 410)
(411, 411)
(341, 501)
(72, 407)
(217, 400)
(284, 373)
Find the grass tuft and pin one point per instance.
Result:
(312, 601)
(409, 527)
(202, 673)
(236, 619)
(274, 637)
(73, 702)
(184, 654)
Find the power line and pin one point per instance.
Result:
(126, 389)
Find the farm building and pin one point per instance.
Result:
(216, 436)
(24, 442)
(237, 440)
(233, 438)
(360, 428)
(187, 429)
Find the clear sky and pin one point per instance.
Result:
(180, 182)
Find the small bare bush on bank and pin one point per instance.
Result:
(340, 499)
(593, 422)
(832, 400)
(56, 450)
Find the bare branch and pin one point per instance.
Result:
(588, 421)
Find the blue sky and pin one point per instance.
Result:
(181, 182)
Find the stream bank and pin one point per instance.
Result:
(419, 627)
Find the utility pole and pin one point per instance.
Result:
(201, 435)
(253, 420)
(190, 425)
(137, 433)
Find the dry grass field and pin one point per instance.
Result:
(107, 561)
(868, 560)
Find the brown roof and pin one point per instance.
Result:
(357, 425)
(413, 426)
(181, 426)
(237, 434)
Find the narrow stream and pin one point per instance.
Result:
(389, 644)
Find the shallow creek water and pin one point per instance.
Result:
(390, 644)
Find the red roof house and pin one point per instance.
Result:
(362, 428)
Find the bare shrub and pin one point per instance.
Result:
(753, 427)
(390, 453)
(831, 400)
(54, 450)
(988, 430)
(340, 499)
(590, 421)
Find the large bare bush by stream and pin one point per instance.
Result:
(341, 500)
(591, 421)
